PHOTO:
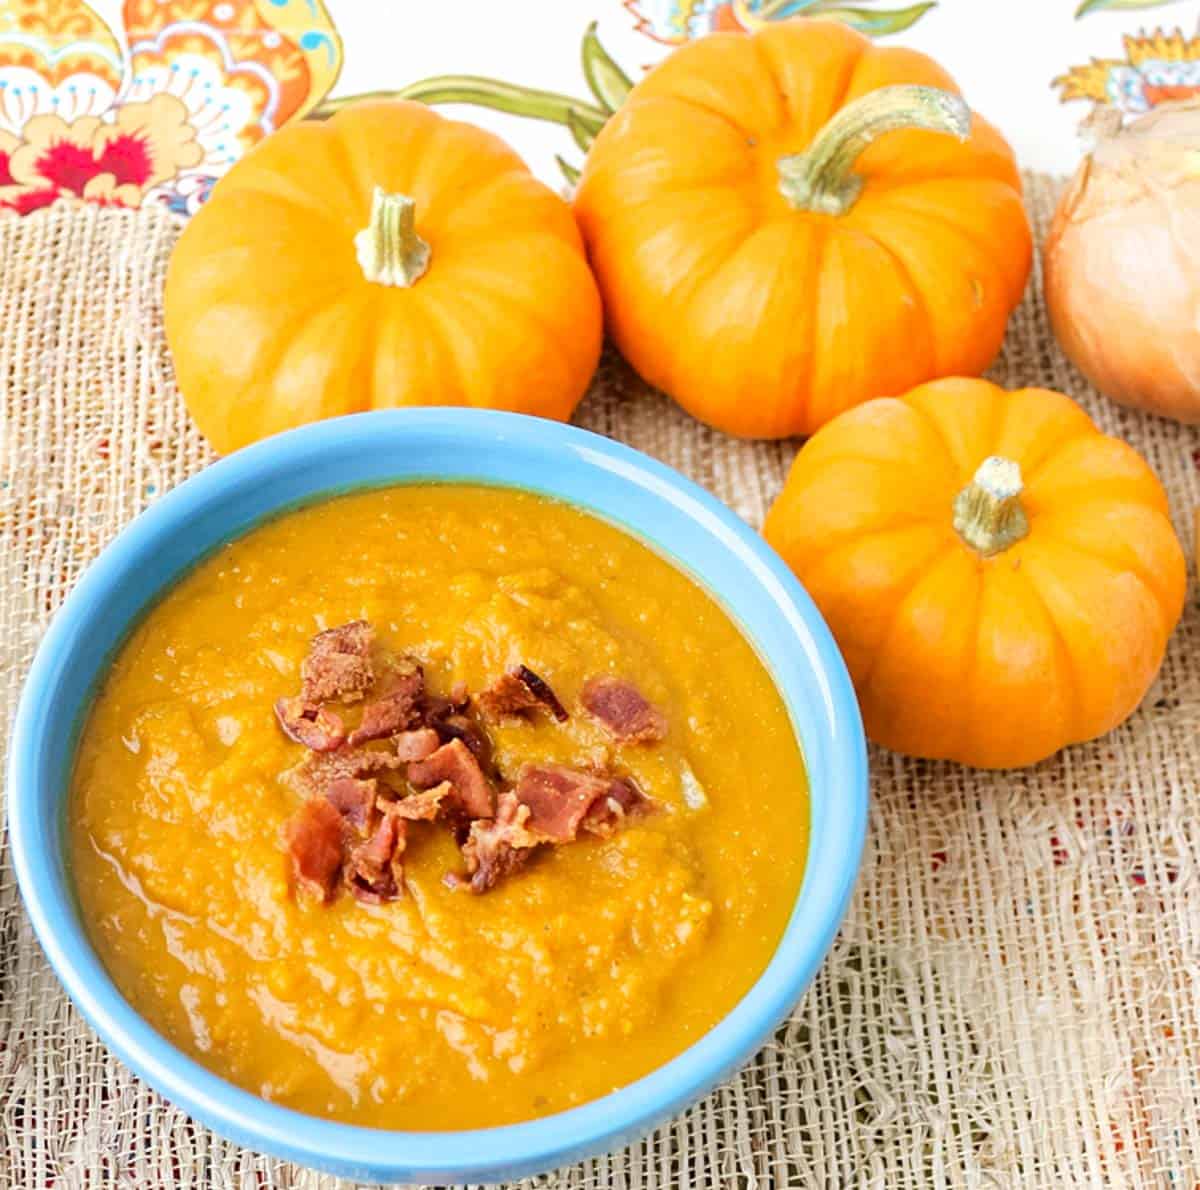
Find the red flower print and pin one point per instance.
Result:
(113, 164)
(29, 200)
(66, 166)
(127, 158)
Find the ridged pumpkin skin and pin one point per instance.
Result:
(272, 322)
(994, 661)
(764, 320)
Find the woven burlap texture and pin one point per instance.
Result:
(1014, 999)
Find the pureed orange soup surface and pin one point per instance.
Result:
(597, 963)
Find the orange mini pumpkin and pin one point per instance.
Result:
(769, 257)
(387, 257)
(1001, 576)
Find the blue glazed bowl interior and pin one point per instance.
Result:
(668, 512)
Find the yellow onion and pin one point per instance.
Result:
(1122, 261)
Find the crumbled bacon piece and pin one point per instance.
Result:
(541, 690)
(438, 706)
(499, 846)
(354, 800)
(314, 841)
(454, 762)
(318, 770)
(423, 807)
(449, 718)
(557, 799)
(519, 692)
(607, 814)
(507, 696)
(622, 710)
(462, 727)
(375, 867)
(442, 801)
(562, 801)
(417, 744)
(396, 706)
(310, 725)
(338, 664)
(550, 804)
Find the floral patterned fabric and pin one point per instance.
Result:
(159, 113)
(124, 103)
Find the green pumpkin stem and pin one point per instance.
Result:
(389, 250)
(988, 514)
(822, 178)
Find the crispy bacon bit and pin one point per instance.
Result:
(396, 706)
(314, 841)
(622, 710)
(550, 804)
(518, 693)
(375, 867)
(499, 846)
(506, 697)
(312, 726)
(318, 770)
(463, 727)
(354, 800)
(438, 706)
(454, 762)
(442, 801)
(449, 718)
(562, 801)
(540, 689)
(338, 664)
(557, 799)
(423, 807)
(608, 814)
(418, 744)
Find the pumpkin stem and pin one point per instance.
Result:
(988, 514)
(389, 249)
(822, 178)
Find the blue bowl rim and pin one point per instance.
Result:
(470, 1155)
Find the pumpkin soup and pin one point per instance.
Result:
(435, 807)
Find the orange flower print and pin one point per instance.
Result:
(202, 81)
(1158, 67)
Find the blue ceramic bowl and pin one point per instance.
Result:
(654, 503)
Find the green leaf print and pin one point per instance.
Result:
(485, 92)
(608, 83)
(570, 172)
(875, 23)
(1103, 5)
(580, 132)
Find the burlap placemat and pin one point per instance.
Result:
(1014, 999)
